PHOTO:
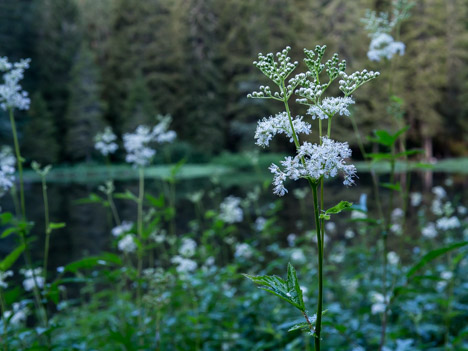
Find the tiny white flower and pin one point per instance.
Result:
(33, 277)
(267, 128)
(349, 234)
(260, 223)
(292, 239)
(297, 255)
(393, 258)
(330, 227)
(243, 250)
(439, 192)
(184, 265)
(11, 94)
(3, 276)
(7, 169)
(446, 275)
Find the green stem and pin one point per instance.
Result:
(115, 214)
(46, 226)
(4, 322)
(141, 190)
(19, 161)
(318, 323)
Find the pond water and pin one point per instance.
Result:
(88, 226)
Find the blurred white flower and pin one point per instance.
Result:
(383, 45)
(33, 277)
(105, 142)
(446, 275)
(18, 313)
(349, 234)
(393, 258)
(297, 255)
(439, 192)
(397, 214)
(127, 244)
(429, 231)
(330, 227)
(436, 207)
(7, 170)
(230, 210)
(378, 302)
(123, 228)
(11, 93)
(462, 210)
(415, 199)
(260, 223)
(184, 265)
(188, 247)
(292, 239)
(243, 250)
(446, 223)
(3, 276)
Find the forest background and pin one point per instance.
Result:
(122, 62)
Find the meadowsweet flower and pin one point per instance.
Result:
(7, 170)
(105, 142)
(188, 247)
(243, 250)
(383, 46)
(11, 94)
(331, 106)
(267, 128)
(138, 144)
(324, 160)
(184, 265)
(33, 277)
(230, 211)
(330, 227)
(446, 275)
(127, 244)
(3, 276)
(429, 231)
(436, 207)
(123, 228)
(446, 223)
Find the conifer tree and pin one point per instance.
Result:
(40, 135)
(84, 117)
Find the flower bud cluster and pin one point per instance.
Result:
(277, 70)
(348, 84)
(310, 93)
(267, 128)
(11, 94)
(334, 67)
(313, 59)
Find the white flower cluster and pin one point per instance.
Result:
(11, 94)
(379, 302)
(331, 106)
(123, 228)
(33, 277)
(105, 142)
(243, 250)
(184, 265)
(267, 128)
(314, 161)
(137, 144)
(127, 244)
(448, 223)
(429, 231)
(230, 210)
(18, 313)
(3, 276)
(7, 169)
(188, 247)
(383, 46)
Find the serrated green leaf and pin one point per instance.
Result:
(432, 255)
(293, 286)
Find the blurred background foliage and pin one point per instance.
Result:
(120, 62)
